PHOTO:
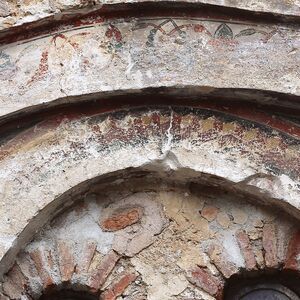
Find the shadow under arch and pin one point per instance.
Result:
(264, 283)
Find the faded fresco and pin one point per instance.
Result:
(143, 52)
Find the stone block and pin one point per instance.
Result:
(89, 249)
(209, 213)
(218, 257)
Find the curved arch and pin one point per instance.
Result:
(43, 163)
(83, 246)
(146, 52)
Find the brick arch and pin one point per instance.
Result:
(45, 161)
(218, 237)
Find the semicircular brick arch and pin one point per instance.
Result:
(143, 238)
(41, 164)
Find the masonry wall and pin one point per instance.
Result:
(143, 242)
(148, 150)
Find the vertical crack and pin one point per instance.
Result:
(167, 146)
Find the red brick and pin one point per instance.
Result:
(40, 262)
(15, 283)
(66, 260)
(269, 241)
(99, 276)
(117, 289)
(88, 253)
(293, 252)
(27, 266)
(121, 220)
(218, 258)
(205, 281)
(244, 244)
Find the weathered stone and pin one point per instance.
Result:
(258, 223)
(259, 257)
(223, 219)
(239, 216)
(168, 128)
(191, 257)
(15, 284)
(162, 279)
(41, 264)
(255, 234)
(209, 213)
(219, 259)
(87, 256)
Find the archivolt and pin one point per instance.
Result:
(45, 166)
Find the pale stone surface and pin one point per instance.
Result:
(239, 216)
(163, 267)
(209, 213)
(48, 68)
(223, 219)
(173, 166)
(58, 168)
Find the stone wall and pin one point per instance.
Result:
(148, 149)
(156, 241)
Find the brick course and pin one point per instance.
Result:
(115, 290)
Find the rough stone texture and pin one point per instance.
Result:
(45, 161)
(16, 283)
(102, 271)
(202, 279)
(138, 50)
(185, 256)
(43, 265)
(118, 288)
(157, 194)
(218, 256)
(86, 257)
(209, 213)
